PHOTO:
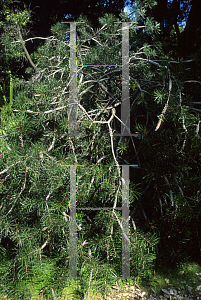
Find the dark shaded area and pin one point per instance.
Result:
(171, 15)
(45, 13)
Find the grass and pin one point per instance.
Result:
(188, 273)
(181, 276)
(184, 275)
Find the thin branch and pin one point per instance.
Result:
(50, 192)
(165, 107)
(123, 230)
(25, 49)
(7, 168)
(22, 189)
(92, 180)
(51, 38)
(27, 111)
(73, 148)
(171, 194)
(52, 145)
(90, 277)
(192, 81)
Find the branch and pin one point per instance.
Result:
(7, 168)
(51, 38)
(25, 49)
(52, 145)
(22, 189)
(73, 149)
(90, 277)
(165, 107)
(123, 230)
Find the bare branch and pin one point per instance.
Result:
(51, 38)
(7, 168)
(25, 49)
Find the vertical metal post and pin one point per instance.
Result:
(72, 130)
(125, 105)
(73, 229)
(125, 223)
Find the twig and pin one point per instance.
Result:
(22, 189)
(7, 168)
(165, 107)
(90, 277)
(123, 230)
(92, 180)
(171, 194)
(25, 49)
(52, 145)
(73, 148)
(51, 38)
(50, 192)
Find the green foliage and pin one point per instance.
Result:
(21, 17)
(11, 52)
(158, 96)
(123, 147)
(37, 153)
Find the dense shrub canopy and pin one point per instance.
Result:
(37, 153)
